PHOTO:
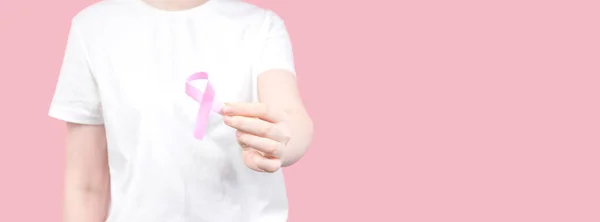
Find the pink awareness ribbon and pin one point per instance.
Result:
(206, 99)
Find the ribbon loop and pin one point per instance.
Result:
(206, 99)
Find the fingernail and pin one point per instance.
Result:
(227, 119)
(238, 134)
(225, 109)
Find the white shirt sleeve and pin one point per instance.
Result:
(276, 51)
(76, 98)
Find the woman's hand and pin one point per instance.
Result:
(262, 132)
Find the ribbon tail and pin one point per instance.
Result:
(202, 121)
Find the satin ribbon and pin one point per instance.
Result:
(206, 99)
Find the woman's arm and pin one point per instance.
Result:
(277, 130)
(87, 183)
(278, 89)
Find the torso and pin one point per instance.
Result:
(140, 59)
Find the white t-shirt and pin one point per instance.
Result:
(125, 66)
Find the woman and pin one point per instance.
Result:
(132, 156)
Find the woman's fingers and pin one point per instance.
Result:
(268, 147)
(257, 127)
(261, 132)
(257, 110)
(255, 161)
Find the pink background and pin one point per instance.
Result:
(424, 110)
